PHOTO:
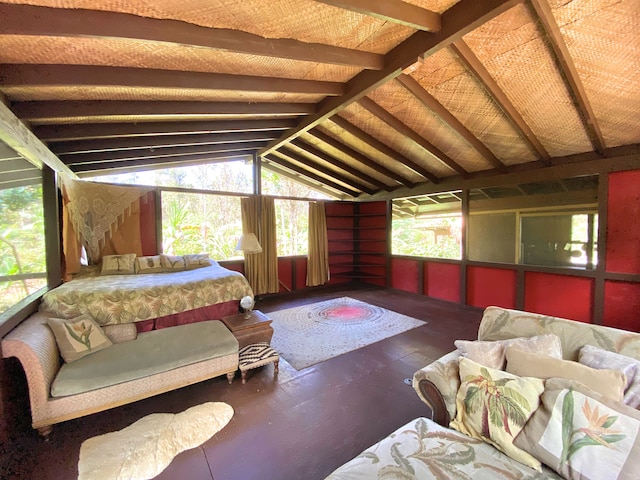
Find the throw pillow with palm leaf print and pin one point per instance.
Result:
(582, 434)
(78, 337)
(493, 406)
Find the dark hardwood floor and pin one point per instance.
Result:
(299, 425)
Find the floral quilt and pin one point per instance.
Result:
(112, 299)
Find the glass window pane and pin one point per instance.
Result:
(292, 227)
(279, 185)
(201, 223)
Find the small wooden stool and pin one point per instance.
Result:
(256, 355)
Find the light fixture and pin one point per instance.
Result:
(247, 304)
(248, 243)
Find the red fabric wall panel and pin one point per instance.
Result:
(404, 274)
(491, 286)
(442, 280)
(148, 224)
(623, 228)
(559, 296)
(622, 305)
(301, 273)
(285, 273)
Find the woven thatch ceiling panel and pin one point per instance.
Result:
(512, 49)
(128, 93)
(609, 69)
(158, 55)
(399, 102)
(401, 144)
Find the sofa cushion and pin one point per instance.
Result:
(152, 352)
(148, 264)
(118, 264)
(582, 434)
(77, 337)
(121, 332)
(607, 382)
(493, 406)
(492, 354)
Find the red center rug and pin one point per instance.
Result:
(314, 333)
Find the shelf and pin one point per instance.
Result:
(349, 240)
(356, 215)
(357, 265)
(357, 275)
(357, 228)
(355, 252)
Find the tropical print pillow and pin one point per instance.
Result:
(78, 337)
(173, 263)
(196, 260)
(118, 264)
(493, 406)
(582, 434)
(148, 264)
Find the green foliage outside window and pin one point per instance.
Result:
(434, 237)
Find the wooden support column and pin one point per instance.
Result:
(51, 206)
(463, 246)
(598, 288)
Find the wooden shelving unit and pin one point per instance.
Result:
(358, 235)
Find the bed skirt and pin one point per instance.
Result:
(211, 312)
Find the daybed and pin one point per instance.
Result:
(149, 364)
(429, 449)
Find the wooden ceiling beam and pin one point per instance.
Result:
(59, 22)
(460, 19)
(318, 187)
(395, 123)
(378, 145)
(292, 155)
(135, 143)
(57, 111)
(569, 73)
(359, 157)
(312, 150)
(429, 101)
(106, 157)
(393, 11)
(301, 171)
(475, 66)
(109, 130)
(36, 75)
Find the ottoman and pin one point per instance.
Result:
(256, 355)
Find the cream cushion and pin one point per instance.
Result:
(148, 264)
(122, 332)
(197, 260)
(118, 264)
(78, 337)
(172, 263)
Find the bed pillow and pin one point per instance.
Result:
(120, 333)
(606, 382)
(149, 264)
(118, 264)
(173, 263)
(197, 260)
(78, 337)
(582, 434)
(595, 357)
(492, 354)
(493, 406)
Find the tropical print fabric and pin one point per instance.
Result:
(117, 299)
(78, 337)
(425, 450)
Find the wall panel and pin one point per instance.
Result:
(404, 274)
(559, 295)
(491, 286)
(622, 305)
(442, 280)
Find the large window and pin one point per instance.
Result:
(292, 227)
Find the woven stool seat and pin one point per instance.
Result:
(256, 355)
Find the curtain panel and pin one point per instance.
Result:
(318, 257)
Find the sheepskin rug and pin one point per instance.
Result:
(144, 449)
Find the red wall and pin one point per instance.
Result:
(622, 305)
(559, 295)
(623, 227)
(442, 280)
(404, 274)
(491, 286)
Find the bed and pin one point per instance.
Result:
(152, 300)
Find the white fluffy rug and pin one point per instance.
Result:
(313, 333)
(144, 449)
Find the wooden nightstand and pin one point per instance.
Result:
(255, 329)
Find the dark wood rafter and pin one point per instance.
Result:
(376, 144)
(317, 186)
(274, 158)
(143, 164)
(107, 157)
(473, 64)
(114, 130)
(33, 20)
(457, 21)
(410, 84)
(393, 11)
(316, 152)
(57, 111)
(157, 142)
(411, 134)
(292, 155)
(569, 73)
(31, 75)
(359, 157)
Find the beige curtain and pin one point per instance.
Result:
(318, 258)
(261, 269)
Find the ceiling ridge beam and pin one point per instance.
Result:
(394, 11)
(109, 130)
(363, 159)
(478, 70)
(395, 123)
(36, 20)
(569, 74)
(457, 21)
(303, 144)
(50, 75)
(430, 102)
(43, 110)
(318, 187)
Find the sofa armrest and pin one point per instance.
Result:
(437, 385)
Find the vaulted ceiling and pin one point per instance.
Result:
(356, 98)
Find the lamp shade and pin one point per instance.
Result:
(248, 243)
